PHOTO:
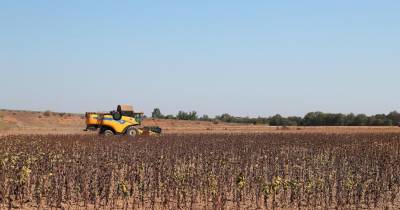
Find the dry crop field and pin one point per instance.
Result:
(194, 171)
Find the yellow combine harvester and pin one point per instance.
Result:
(122, 121)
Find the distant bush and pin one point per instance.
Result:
(47, 113)
(170, 116)
(205, 118)
(187, 115)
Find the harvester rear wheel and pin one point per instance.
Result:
(132, 132)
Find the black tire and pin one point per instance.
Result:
(132, 132)
(91, 128)
(106, 132)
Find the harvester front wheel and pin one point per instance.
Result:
(107, 132)
(132, 132)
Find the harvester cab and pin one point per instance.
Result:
(123, 121)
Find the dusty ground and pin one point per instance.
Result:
(28, 122)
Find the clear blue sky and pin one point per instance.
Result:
(240, 57)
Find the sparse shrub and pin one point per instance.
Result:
(170, 117)
(47, 113)
(186, 115)
(205, 118)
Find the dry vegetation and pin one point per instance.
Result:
(213, 171)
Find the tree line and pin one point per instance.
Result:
(310, 119)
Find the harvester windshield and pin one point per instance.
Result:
(138, 117)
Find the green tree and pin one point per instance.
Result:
(314, 119)
(379, 120)
(340, 119)
(156, 114)
(394, 117)
(193, 115)
(360, 120)
(350, 119)
(295, 120)
(276, 120)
